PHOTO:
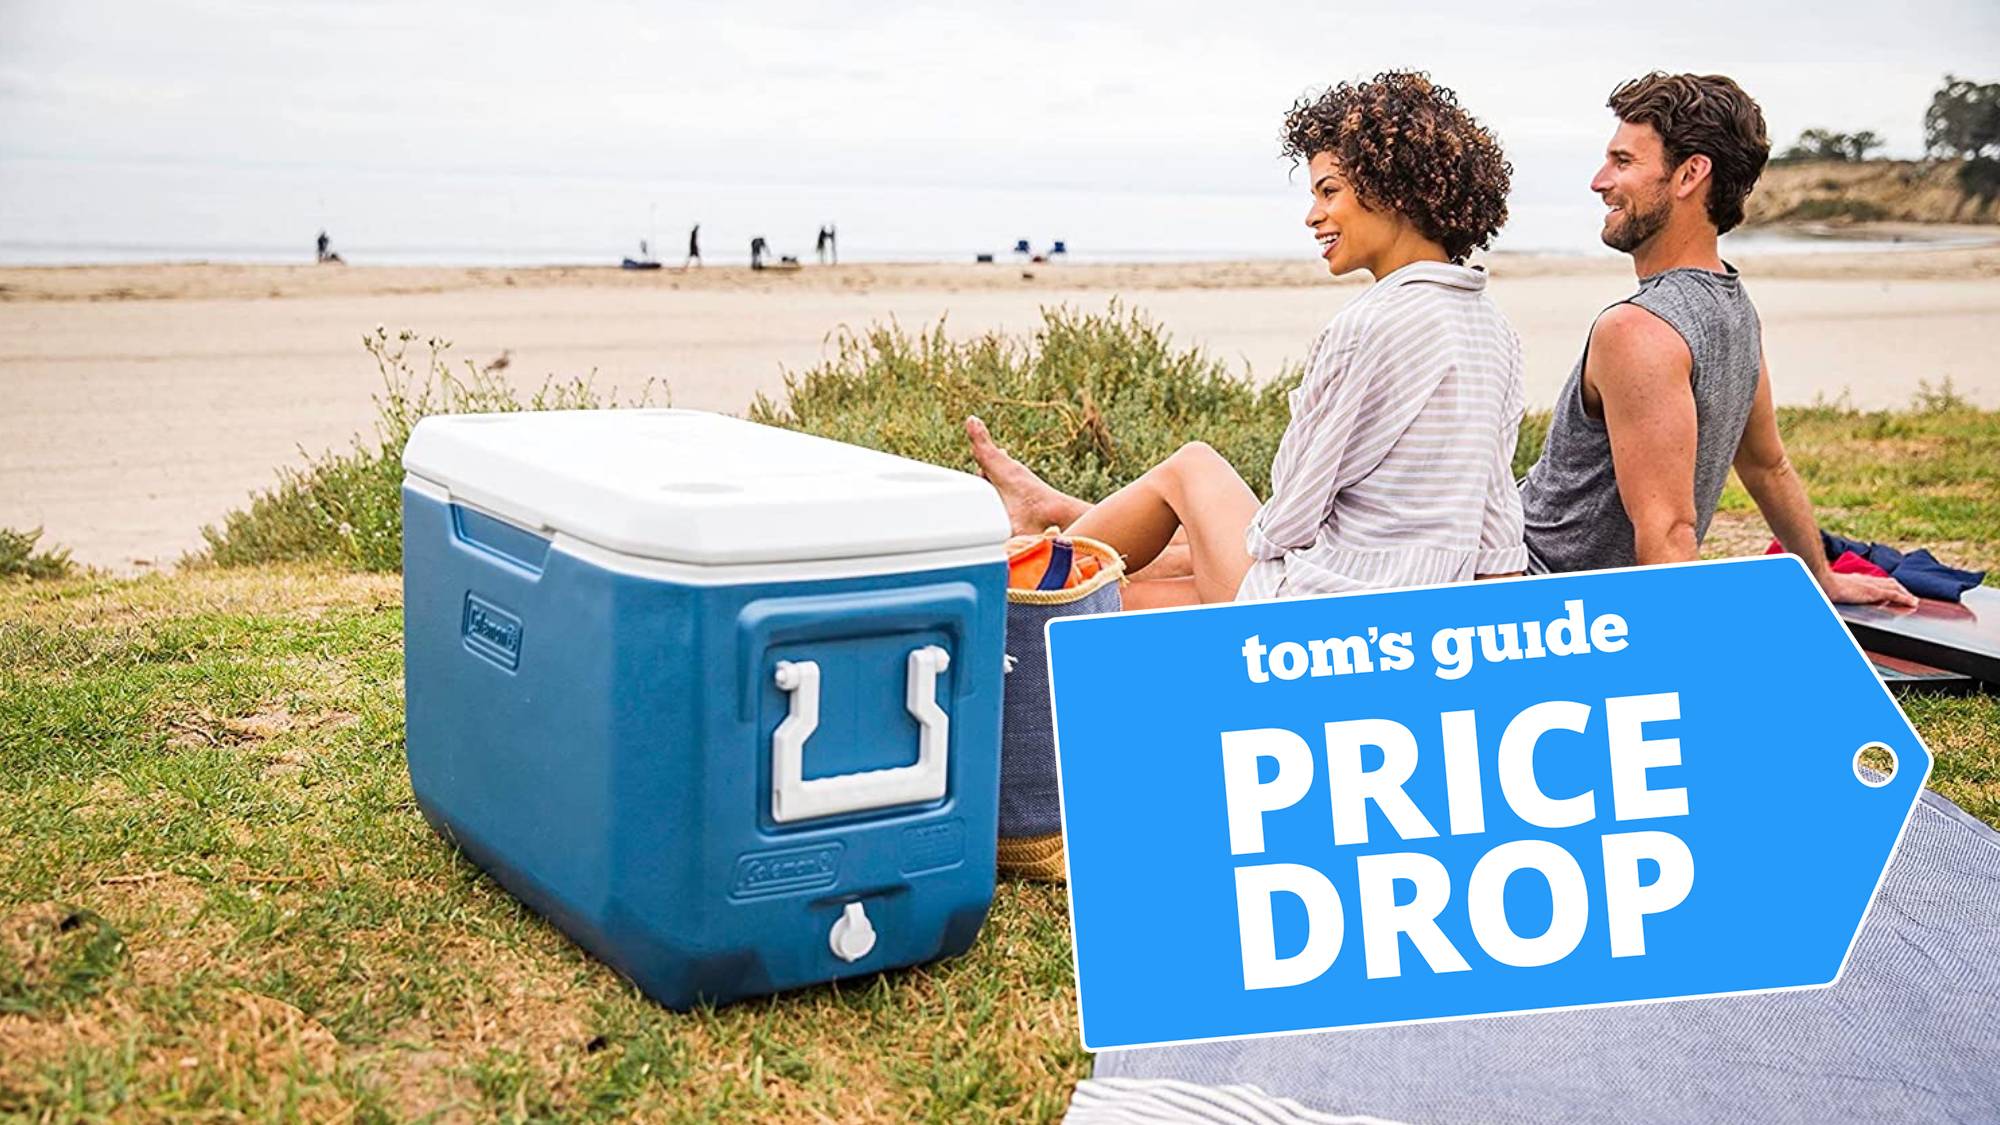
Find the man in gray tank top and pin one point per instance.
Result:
(1672, 388)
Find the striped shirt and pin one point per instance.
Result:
(1397, 467)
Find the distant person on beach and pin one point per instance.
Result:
(758, 248)
(1395, 469)
(694, 247)
(1673, 389)
(324, 242)
(820, 246)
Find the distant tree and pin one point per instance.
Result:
(1859, 145)
(1980, 177)
(1963, 120)
(1811, 145)
(1822, 144)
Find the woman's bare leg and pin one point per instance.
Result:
(1033, 505)
(1194, 490)
(1159, 593)
(1174, 562)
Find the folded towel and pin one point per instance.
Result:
(1919, 571)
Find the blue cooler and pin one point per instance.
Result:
(721, 701)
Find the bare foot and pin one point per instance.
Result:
(1032, 505)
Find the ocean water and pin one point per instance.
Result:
(78, 211)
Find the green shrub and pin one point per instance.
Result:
(20, 559)
(1534, 431)
(1941, 399)
(346, 508)
(1091, 401)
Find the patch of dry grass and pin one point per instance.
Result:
(212, 765)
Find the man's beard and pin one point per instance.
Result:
(1638, 226)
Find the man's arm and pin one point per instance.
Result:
(1637, 379)
(1767, 474)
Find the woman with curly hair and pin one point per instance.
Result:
(1396, 467)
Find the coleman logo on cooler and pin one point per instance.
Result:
(787, 869)
(492, 632)
(1471, 800)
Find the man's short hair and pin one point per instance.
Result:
(1707, 114)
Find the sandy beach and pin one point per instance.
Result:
(145, 401)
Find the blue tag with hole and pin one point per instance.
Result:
(1498, 797)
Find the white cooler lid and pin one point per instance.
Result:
(688, 486)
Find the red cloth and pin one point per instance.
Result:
(1847, 563)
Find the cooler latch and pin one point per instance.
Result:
(794, 797)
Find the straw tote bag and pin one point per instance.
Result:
(1031, 843)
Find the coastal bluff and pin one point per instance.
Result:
(1838, 191)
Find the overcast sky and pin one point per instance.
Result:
(1148, 97)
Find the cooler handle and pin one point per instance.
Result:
(793, 797)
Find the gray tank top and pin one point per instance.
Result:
(1574, 519)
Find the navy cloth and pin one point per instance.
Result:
(1919, 572)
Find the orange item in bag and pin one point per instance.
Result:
(1048, 562)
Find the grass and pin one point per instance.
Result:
(218, 899)
(1928, 476)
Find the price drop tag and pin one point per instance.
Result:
(1470, 800)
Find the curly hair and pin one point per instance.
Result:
(1406, 144)
(1707, 114)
